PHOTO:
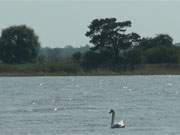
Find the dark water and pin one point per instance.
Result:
(80, 105)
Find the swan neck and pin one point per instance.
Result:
(112, 120)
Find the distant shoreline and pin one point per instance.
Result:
(30, 70)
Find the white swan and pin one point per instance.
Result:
(120, 124)
(56, 108)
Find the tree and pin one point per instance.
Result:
(108, 34)
(163, 40)
(18, 44)
(77, 56)
(159, 40)
(134, 57)
(161, 54)
(91, 60)
(159, 49)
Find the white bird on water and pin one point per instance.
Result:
(56, 108)
(120, 124)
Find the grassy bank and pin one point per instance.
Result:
(59, 69)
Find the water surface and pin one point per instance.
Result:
(80, 105)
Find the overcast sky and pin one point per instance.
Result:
(61, 23)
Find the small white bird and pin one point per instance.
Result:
(56, 108)
(120, 124)
(41, 84)
(169, 84)
(33, 102)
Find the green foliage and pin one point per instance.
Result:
(116, 50)
(61, 66)
(178, 53)
(77, 56)
(161, 54)
(56, 54)
(159, 40)
(159, 49)
(18, 44)
(134, 57)
(162, 40)
(108, 34)
(91, 60)
(113, 49)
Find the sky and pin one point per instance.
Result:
(64, 22)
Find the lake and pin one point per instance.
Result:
(150, 105)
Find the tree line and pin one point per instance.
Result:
(112, 47)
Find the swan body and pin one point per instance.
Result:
(120, 124)
(56, 108)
